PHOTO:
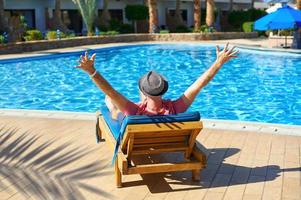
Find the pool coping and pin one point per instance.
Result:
(83, 48)
(231, 125)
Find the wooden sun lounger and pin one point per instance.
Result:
(156, 138)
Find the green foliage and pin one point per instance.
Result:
(70, 35)
(51, 35)
(31, 35)
(117, 26)
(23, 22)
(164, 31)
(88, 10)
(288, 32)
(247, 27)
(109, 32)
(205, 29)
(112, 32)
(126, 28)
(1, 39)
(114, 25)
(103, 28)
(182, 29)
(237, 18)
(136, 12)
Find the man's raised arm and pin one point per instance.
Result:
(221, 58)
(87, 65)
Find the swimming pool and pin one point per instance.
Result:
(258, 86)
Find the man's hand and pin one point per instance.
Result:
(226, 54)
(87, 64)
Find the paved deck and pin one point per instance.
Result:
(59, 159)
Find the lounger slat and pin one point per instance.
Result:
(156, 145)
(162, 149)
(162, 134)
(151, 134)
(140, 128)
(164, 167)
(159, 140)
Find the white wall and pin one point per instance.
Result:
(41, 5)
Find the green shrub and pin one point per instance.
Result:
(70, 35)
(112, 32)
(31, 35)
(1, 39)
(51, 35)
(205, 29)
(164, 31)
(182, 29)
(136, 12)
(247, 27)
(115, 25)
(103, 28)
(109, 33)
(126, 28)
(238, 17)
(288, 32)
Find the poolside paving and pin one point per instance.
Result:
(43, 158)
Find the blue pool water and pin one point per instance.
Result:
(257, 86)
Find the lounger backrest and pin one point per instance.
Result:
(160, 137)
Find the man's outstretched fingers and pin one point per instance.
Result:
(226, 47)
(231, 50)
(93, 57)
(218, 50)
(82, 58)
(234, 53)
(86, 55)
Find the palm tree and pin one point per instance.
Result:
(153, 16)
(88, 10)
(105, 14)
(197, 14)
(3, 19)
(178, 16)
(57, 18)
(210, 13)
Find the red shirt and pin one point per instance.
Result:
(168, 108)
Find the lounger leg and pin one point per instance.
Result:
(196, 175)
(98, 131)
(117, 174)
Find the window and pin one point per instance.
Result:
(29, 16)
(71, 18)
(172, 13)
(116, 14)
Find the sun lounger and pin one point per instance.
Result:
(147, 135)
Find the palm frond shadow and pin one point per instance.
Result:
(44, 170)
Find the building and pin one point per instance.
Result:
(38, 12)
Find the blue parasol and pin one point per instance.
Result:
(283, 18)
